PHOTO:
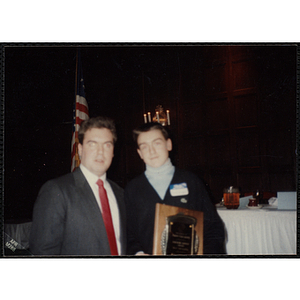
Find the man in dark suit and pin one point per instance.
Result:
(163, 183)
(69, 217)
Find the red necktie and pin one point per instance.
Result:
(106, 214)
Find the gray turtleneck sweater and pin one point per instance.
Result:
(160, 178)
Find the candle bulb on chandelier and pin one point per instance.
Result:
(157, 116)
(145, 118)
(149, 117)
(168, 117)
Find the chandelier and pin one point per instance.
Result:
(159, 117)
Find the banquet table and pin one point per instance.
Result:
(260, 231)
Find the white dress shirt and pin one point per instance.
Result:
(92, 180)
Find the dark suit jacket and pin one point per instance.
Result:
(67, 219)
(141, 197)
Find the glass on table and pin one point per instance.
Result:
(231, 197)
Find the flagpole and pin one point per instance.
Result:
(76, 74)
(77, 160)
(81, 111)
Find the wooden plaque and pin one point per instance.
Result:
(177, 231)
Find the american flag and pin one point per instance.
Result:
(80, 113)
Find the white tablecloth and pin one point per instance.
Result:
(259, 231)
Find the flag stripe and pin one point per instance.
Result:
(81, 117)
(82, 108)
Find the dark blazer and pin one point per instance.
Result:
(67, 219)
(141, 197)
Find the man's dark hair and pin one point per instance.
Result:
(98, 122)
(147, 127)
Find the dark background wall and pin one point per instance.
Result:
(232, 107)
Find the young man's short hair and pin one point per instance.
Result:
(147, 127)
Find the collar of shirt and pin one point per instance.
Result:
(90, 177)
(164, 169)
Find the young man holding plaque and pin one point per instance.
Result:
(166, 184)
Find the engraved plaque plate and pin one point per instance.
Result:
(177, 231)
(179, 235)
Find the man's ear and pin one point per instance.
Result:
(169, 144)
(79, 150)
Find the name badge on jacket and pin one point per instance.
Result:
(179, 189)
